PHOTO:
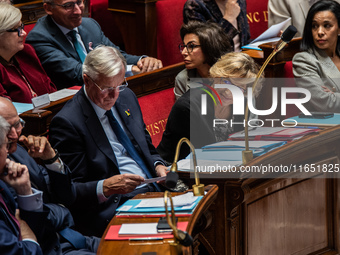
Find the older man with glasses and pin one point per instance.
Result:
(63, 38)
(101, 136)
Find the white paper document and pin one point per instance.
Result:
(60, 94)
(138, 229)
(152, 180)
(270, 35)
(181, 200)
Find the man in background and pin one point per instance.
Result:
(63, 38)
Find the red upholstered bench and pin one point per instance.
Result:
(169, 22)
(257, 14)
(156, 108)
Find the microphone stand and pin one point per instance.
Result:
(247, 155)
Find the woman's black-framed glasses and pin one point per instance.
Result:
(19, 29)
(190, 47)
(69, 6)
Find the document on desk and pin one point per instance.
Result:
(181, 200)
(270, 35)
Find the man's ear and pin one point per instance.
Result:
(48, 8)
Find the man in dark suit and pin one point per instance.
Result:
(62, 57)
(47, 179)
(15, 235)
(105, 170)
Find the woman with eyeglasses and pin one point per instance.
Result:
(21, 74)
(203, 44)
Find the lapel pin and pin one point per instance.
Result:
(128, 112)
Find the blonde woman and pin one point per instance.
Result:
(186, 120)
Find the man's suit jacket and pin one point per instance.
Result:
(9, 232)
(55, 217)
(57, 55)
(80, 138)
(312, 70)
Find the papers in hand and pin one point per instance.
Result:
(270, 35)
(152, 180)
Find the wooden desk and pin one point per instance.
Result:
(288, 214)
(141, 84)
(198, 221)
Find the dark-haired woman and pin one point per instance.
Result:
(317, 67)
(203, 44)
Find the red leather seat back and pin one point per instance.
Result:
(156, 108)
(257, 14)
(169, 22)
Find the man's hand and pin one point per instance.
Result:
(121, 184)
(232, 10)
(18, 177)
(149, 64)
(161, 171)
(26, 231)
(38, 147)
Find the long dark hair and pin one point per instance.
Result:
(323, 5)
(213, 40)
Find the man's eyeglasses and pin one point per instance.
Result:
(190, 47)
(20, 124)
(19, 29)
(119, 88)
(69, 6)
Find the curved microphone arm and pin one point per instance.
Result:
(181, 236)
(198, 189)
(287, 36)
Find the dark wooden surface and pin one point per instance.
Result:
(137, 22)
(164, 247)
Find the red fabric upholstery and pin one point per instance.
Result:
(28, 28)
(156, 108)
(292, 110)
(169, 21)
(257, 14)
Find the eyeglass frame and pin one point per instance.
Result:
(69, 6)
(20, 122)
(191, 45)
(120, 88)
(19, 29)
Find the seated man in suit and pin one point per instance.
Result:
(15, 235)
(104, 141)
(48, 180)
(63, 38)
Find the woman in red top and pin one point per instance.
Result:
(21, 74)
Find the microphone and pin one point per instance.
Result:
(182, 237)
(171, 178)
(286, 37)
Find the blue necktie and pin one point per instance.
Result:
(75, 238)
(76, 45)
(126, 142)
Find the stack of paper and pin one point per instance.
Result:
(270, 35)
(273, 133)
(184, 205)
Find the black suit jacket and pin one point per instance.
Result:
(9, 232)
(81, 140)
(57, 55)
